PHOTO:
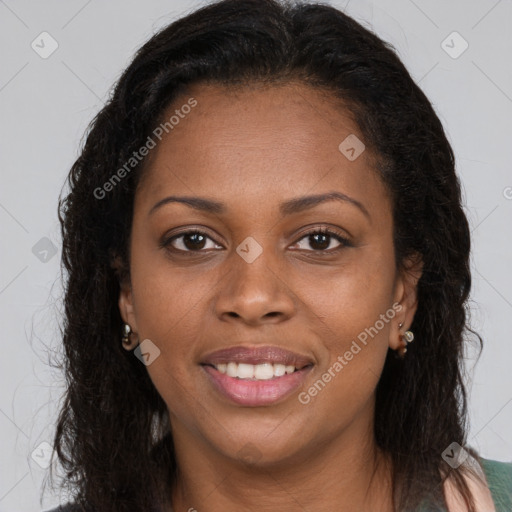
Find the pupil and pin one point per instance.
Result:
(324, 243)
(196, 241)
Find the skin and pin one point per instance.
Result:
(252, 149)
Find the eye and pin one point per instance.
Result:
(320, 240)
(189, 241)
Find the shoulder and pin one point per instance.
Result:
(488, 481)
(499, 480)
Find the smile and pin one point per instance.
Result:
(255, 391)
(263, 371)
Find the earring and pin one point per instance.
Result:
(405, 338)
(128, 339)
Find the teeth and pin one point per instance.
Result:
(245, 371)
(232, 369)
(279, 370)
(263, 371)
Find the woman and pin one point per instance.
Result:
(268, 268)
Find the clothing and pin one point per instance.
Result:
(499, 480)
(498, 475)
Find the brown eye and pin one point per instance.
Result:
(190, 241)
(321, 240)
(194, 241)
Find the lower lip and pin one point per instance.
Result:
(254, 393)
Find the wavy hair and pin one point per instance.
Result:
(113, 434)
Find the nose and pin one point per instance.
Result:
(254, 293)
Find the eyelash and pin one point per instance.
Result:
(331, 232)
(344, 242)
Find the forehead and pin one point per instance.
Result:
(261, 140)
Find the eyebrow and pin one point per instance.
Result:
(289, 207)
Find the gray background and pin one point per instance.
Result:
(46, 104)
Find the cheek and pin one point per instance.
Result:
(350, 299)
(167, 304)
(353, 310)
(355, 319)
(167, 297)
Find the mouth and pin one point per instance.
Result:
(263, 371)
(257, 376)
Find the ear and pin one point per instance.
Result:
(406, 295)
(126, 307)
(125, 301)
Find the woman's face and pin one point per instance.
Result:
(263, 171)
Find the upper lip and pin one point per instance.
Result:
(257, 355)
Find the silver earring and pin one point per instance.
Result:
(409, 336)
(128, 340)
(405, 338)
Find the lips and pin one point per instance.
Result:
(257, 355)
(256, 393)
(255, 377)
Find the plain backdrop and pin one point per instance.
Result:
(47, 101)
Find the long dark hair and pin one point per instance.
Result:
(113, 419)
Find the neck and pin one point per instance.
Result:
(345, 473)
